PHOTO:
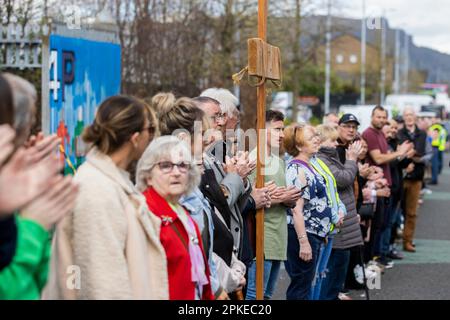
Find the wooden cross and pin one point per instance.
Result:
(264, 63)
(271, 62)
(260, 127)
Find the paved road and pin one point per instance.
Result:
(424, 275)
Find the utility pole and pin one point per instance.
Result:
(328, 61)
(397, 62)
(363, 55)
(406, 71)
(296, 59)
(383, 60)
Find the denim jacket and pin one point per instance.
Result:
(196, 204)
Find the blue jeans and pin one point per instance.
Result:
(301, 272)
(435, 165)
(386, 233)
(271, 271)
(336, 275)
(378, 226)
(322, 263)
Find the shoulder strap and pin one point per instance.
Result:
(303, 163)
(178, 232)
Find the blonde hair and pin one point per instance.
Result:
(163, 148)
(327, 132)
(162, 100)
(182, 114)
(294, 137)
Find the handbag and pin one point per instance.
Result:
(367, 211)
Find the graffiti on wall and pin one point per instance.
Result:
(82, 74)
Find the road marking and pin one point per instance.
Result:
(428, 252)
(438, 195)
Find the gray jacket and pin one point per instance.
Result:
(350, 233)
(238, 193)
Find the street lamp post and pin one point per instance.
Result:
(328, 61)
(363, 55)
(397, 62)
(406, 65)
(383, 59)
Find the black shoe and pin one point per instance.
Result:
(395, 255)
(345, 290)
(354, 286)
(386, 262)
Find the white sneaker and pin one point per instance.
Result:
(426, 191)
(343, 296)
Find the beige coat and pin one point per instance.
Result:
(111, 238)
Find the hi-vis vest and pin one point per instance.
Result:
(324, 168)
(441, 141)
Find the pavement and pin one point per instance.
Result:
(424, 275)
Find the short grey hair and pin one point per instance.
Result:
(228, 101)
(409, 109)
(162, 148)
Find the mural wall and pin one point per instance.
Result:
(82, 74)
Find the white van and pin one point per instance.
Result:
(363, 113)
(401, 101)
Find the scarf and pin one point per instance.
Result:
(160, 207)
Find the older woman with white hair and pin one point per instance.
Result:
(165, 173)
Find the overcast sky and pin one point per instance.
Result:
(428, 21)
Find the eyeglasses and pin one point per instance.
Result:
(167, 166)
(218, 117)
(346, 126)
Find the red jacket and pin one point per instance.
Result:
(174, 239)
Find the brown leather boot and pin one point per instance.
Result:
(407, 246)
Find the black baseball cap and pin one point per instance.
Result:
(348, 117)
(399, 119)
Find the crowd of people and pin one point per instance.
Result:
(164, 206)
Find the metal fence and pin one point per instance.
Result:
(21, 47)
